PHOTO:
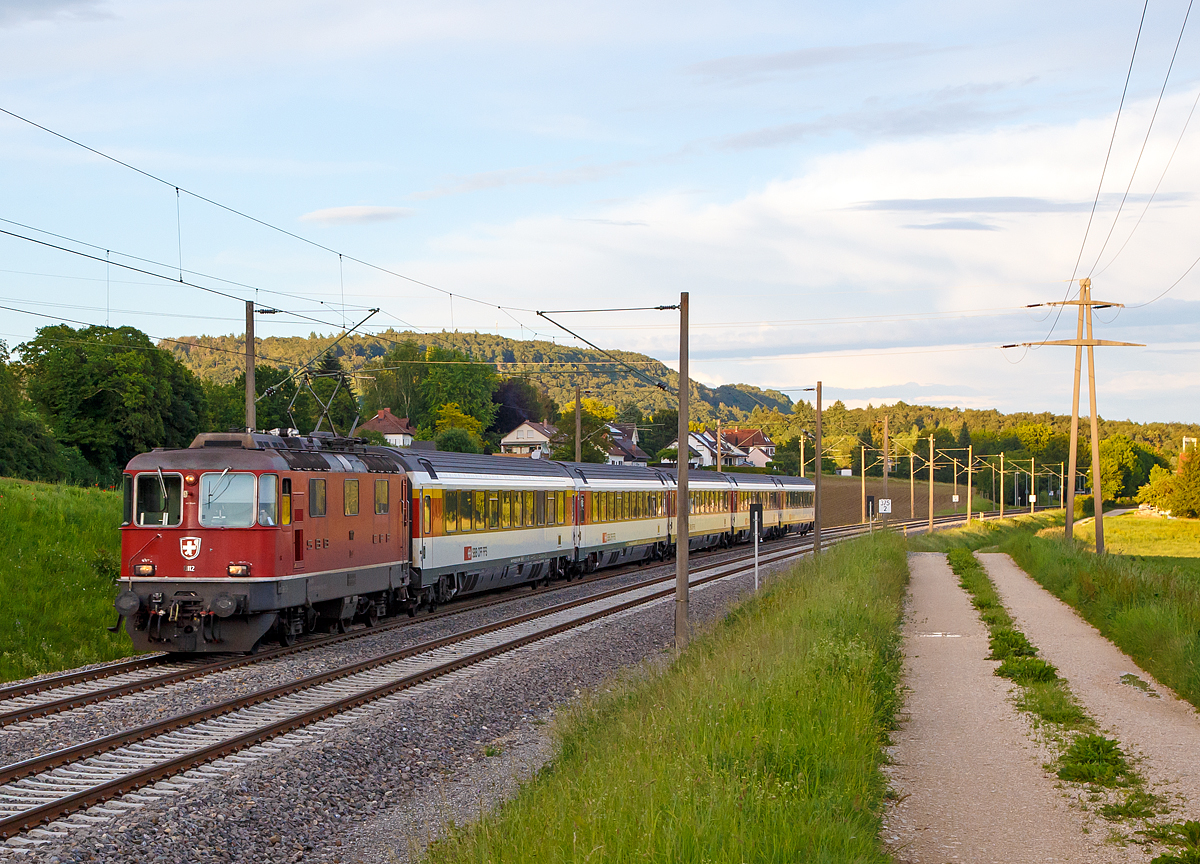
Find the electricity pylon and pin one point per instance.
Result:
(1085, 301)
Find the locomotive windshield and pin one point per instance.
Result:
(227, 500)
(158, 497)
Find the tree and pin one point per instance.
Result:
(455, 440)
(331, 382)
(1185, 500)
(453, 377)
(518, 400)
(226, 403)
(1034, 437)
(595, 437)
(27, 449)
(630, 413)
(964, 435)
(660, 431)
(1124, 466)
(1159, 489)
(111, 393)
(395, 382)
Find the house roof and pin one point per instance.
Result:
(387, 423)
(746, 438)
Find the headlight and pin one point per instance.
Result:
(143, 569)
(238, 569)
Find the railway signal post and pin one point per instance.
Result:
(681, 485)
(970, 478)
(818, 456)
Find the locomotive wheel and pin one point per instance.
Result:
(286, 637)
(372, 615)
(412, 610)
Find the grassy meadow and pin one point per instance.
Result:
(1149, 606)
(1145, 535)
(61, 559)
(762, 742)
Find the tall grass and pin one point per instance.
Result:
(761, 743)
(1148, 607)
(61, 556)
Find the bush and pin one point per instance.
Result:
(1185, 499)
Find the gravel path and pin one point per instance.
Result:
(1154, 724)
(969, 774)
(369, 791)
(25, 740)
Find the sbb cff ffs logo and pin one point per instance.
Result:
(470, 553)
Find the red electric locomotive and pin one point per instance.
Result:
(243, 534)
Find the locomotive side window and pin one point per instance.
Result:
(268, 511)
(381, 497)
(285, 501)
(350, 497)
(127, 499)
(158, 498)
(316, 497)
(226, 500)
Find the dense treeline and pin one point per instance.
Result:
(554, 369)
(79, 403)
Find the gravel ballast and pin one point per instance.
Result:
(379, 787)
(30, 738)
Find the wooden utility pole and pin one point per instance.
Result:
(681, 485)
(887, 464)
(970, 478)
(1062, 486)
(931, 482)
(578, 427)
(1084, 326)
(718, 446)
(251, 413)
(817, 454)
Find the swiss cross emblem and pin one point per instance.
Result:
(189, 547)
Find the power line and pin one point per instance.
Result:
(1161, 177)
(1146, 139)
(180, 189)
(1104, 170)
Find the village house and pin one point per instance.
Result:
(529, 438)
(395, 430)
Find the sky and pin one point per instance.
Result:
(867, 194)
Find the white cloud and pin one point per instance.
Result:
(357, 214)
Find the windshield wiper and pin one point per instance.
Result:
(214, 495)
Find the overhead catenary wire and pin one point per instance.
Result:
(244, 215)
(1145, 140)
(661, 385)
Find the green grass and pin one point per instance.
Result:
(61, 558)
(1148, 606)
(762, 742)
(1096, 760)
(1156, 536)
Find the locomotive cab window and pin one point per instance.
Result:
(268, 510)
(159, 497)
(127, 499)
(226, 500)
(316, 497)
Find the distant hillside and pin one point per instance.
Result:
(557, 369)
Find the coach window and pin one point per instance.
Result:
(316, 497)
(268, 511)
(493, 510)
(530, 517)
(159, 497)
(450, 510)
(381, 497)
(350, 497)
(560, 500)
(505, 509)
(426, 515)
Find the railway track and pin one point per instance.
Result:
(52, 695)
(136, 763)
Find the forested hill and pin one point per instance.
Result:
(557, 369)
